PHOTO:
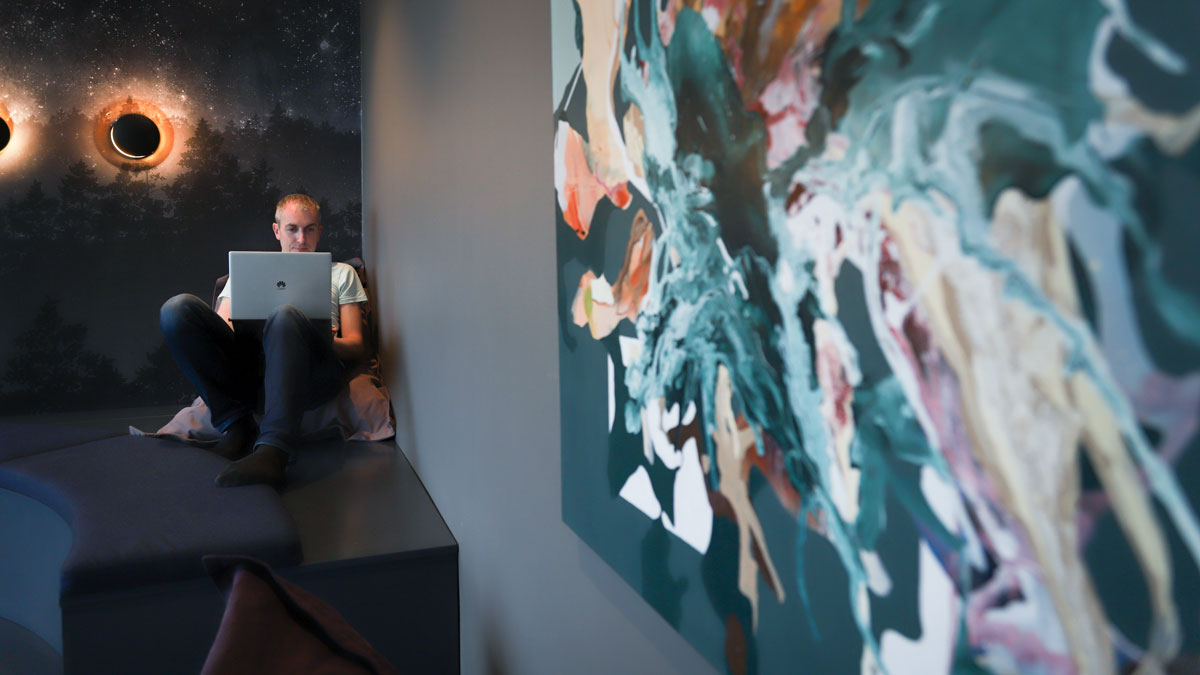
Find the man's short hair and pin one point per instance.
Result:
(303, 201)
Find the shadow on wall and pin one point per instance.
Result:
(427, 25)
(495, 659)
(391, 348)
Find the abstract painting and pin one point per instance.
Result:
(879, 329)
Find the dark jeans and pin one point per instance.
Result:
(292, 366)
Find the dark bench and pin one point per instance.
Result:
(132, 594)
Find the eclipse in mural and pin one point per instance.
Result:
(5, 127)
(879, 333)
(134, 135)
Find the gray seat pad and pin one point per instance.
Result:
(21, 440)
(145, 510)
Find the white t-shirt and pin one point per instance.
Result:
(344, 289)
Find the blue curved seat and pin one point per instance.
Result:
(144, 510)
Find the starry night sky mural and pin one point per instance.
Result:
(263, 99)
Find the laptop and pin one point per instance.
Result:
(260, 281)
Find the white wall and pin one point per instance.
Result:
(459, 235)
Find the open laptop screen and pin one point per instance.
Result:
(261, 281)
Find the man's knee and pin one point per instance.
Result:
(178, 309)
(284, 316)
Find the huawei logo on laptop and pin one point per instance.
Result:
(281, 285)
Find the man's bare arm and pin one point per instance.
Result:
(223, 311)
(350, 346)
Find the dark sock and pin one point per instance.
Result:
(263, 466)
(238, 439)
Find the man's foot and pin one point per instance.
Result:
(263, 466)
(238, 439)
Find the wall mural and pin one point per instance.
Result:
(251, 101)
(879, 328)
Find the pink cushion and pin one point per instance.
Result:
(360, 412)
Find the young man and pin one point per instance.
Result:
(292, 365)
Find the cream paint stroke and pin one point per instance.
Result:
(1031, 235)
(1134, 514)
(604, 30)
(1164, 401)
(732, 443)
(634, 127)
(1016, 407)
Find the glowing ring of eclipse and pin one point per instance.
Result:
(6, 119)
(102, 134)
(112, 136)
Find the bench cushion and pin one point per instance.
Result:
(144, 511)
(21, 440)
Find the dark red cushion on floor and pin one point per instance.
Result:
(273, 626)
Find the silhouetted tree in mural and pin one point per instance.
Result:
(79, 195)
(207, 188)
(132, 206)
(53, 369)
(7, 217)
(159, 380)
(65, 127)
(259, 185)
(301, 150)
(342, 235)
(33, 214)
(248, 138)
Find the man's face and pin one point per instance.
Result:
(297, 230)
